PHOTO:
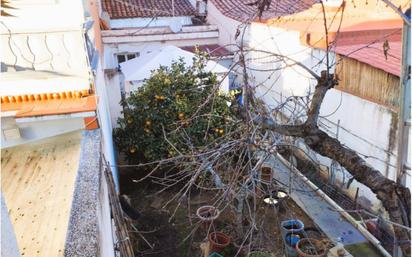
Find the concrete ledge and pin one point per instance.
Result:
(83, 229)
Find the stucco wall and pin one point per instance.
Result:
(39, 38)
(364, 126)
(174, 22)
(113, 88)
(105, 120)
(48, 15)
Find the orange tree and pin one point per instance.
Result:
(178, 109)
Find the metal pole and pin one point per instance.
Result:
(404, 120)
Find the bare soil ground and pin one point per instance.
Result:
(180, 236)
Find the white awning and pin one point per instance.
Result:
(139, 69)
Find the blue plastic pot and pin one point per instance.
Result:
(291, 226)
(292, 239)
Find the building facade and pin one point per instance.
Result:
(56, 130)
(298, 33)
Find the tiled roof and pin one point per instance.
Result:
(26, 106)
(243, 10)
(213, 50)
(373, 55)
(357, 15)
(122, 9)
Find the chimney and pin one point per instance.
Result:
(201, 7)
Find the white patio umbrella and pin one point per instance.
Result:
(139, 69)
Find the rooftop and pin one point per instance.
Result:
(48, 104)
(242, 10)
(373, 54)
(123, 9)
(36, 93)
(38, 183)
(356, 16)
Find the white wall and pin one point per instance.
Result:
(41, 36)
(367, 128)
(150, 22)
(106, 241)
(113, 89)
(110, 51)
(45, 15)
(363, 126)
(105, 121)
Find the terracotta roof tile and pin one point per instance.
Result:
(243, 10)
(214, 50)
(51, 106)
(121, 9)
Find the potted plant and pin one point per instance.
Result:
(207, 214)
(309, 247)
(218, 241)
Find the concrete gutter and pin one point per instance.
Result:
(375, 242)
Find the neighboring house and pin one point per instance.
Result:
(138, 27)
(138, 70)
(55, 132)
(369, 79)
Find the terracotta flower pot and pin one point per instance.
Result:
(309, 247)
(207, 214)
(218, 241)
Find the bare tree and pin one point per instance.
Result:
(231, 165)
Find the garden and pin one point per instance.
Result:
(194, 168)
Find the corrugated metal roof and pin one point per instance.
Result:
(373, 54)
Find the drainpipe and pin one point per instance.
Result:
(404, 120)
(375, 242)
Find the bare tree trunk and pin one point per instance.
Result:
(395, 198)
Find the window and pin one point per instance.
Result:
(126, 57)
